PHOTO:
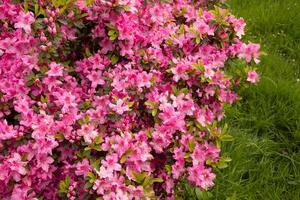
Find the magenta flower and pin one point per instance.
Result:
(55, 69)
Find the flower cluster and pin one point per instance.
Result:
(116, 99)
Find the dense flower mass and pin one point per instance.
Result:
(116, 99)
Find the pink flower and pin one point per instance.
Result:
(7, 131)
(88, 132)
(21, 192)
(16, 166)
(120, 107)
(203, 27)
(24, 21)
(201, 176)
(55, 69)
(96, 78)
(227, 96)
(111, 162)
(238, 24)
(67, 100)
(180, 71)
(250, 51)
(82, 168)
(178, 168)
(44, 161)
(253, 77)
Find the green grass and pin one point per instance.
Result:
(266, 123)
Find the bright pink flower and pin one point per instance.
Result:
(111, 162)
(55, 69)
(16, 166)
(82, 168)
(44, 161)
(201, 176)
(24, 21)
(96, 78)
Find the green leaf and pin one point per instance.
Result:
(87, 148)
(88, 185)
(99, 139)
(111, 32)
(130, 104)
(198, 40)
(91, 177)
(96, 164)
(59, 136)
(44, 99)
(139, 177)
(44, 69)
(64, 185)
(191, 145)
(156, 180)
(151, 104)
(168, 168)
(114, 59)
(36, 9)
(113, 37)
(222, 164)
(198, 125)
(97, 148)
(123, 158)
(25, 6)
(147, 181)
(154, 112)
(85, 105)
(203, 195)
(218, 144)
(88, 52)
(89, 2)
(226, 138)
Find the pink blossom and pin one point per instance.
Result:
(238, 24)
(55, 69)
(82, 168)
(120, 107)
(111, 162)
(44, 161)
(96, 78)
(201, 177)
(16, 166)
(253, 77)
(24, 21)
(250, 51)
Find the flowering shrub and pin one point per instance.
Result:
(116, 99)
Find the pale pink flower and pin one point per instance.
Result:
(24, 21)
(120, 107)
(253, 77)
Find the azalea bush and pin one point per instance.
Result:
(116, 99)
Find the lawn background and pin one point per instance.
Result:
(266, 122)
